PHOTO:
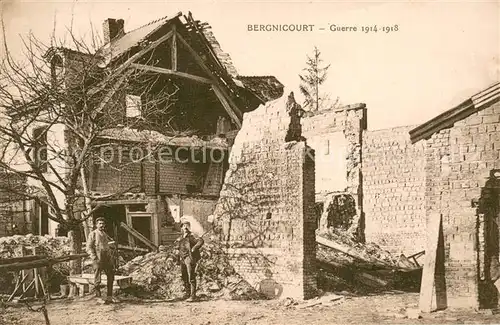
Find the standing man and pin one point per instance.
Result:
(189, 255)
(98, 247)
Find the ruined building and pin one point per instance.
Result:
(206, 101)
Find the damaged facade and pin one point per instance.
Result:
(184, 178)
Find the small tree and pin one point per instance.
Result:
(311, 82)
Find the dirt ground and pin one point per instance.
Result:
(390, 308)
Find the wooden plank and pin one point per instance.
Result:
(21, 259)
(18, 285)
(428, 295)
(40, 262)
(132, 249)
(173, 53)
(235, 112)
(349, 251)
(139, 236)
(171, 73)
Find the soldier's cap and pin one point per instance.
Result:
(100, 219)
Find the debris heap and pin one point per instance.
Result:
(158, 275)
(45, 245)
(345, 264)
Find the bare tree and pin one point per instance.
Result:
(70, 86)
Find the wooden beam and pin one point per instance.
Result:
(112, 91)
(132, 249)
(174, 48)
(235, 110)
(227, 106)
(138, 235)
(171, 73)
(130, 60)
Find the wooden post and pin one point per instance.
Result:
(433, 287)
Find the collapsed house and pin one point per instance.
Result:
(185, 175)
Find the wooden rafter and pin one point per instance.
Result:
(231, 108)
(113, 90)
(171, 72)
(227, 106)
(173, 53)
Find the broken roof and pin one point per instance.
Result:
(264, 87)
(447, 119)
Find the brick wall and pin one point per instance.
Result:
(266, 205)
(174, 176)
(196, 211)
(336, 136)
(459, 161)
(394, 190)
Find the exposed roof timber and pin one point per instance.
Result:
(234, 112)
(447, 119)
(173, 48)
(171, 72)
(195, 25)
(133, 58)
(227, 106)
(113, 90)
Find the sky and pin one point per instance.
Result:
(441, 54)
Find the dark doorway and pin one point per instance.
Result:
(114, 215)
(488, 214)
(143, 225)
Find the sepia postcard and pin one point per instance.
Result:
(249, 162)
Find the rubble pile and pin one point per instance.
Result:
(44, 245)
(367, 252)
(158, 275)
(345, 264)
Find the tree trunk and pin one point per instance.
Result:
(88, 205)
(75, 237)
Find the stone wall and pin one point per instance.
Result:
(266, 206)
(336, 137)
(394, 190)
(459, 162)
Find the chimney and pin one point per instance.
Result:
(112, 28)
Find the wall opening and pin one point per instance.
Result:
(488, 214)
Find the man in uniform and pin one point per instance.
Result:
(189, 256)
(99, 250)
